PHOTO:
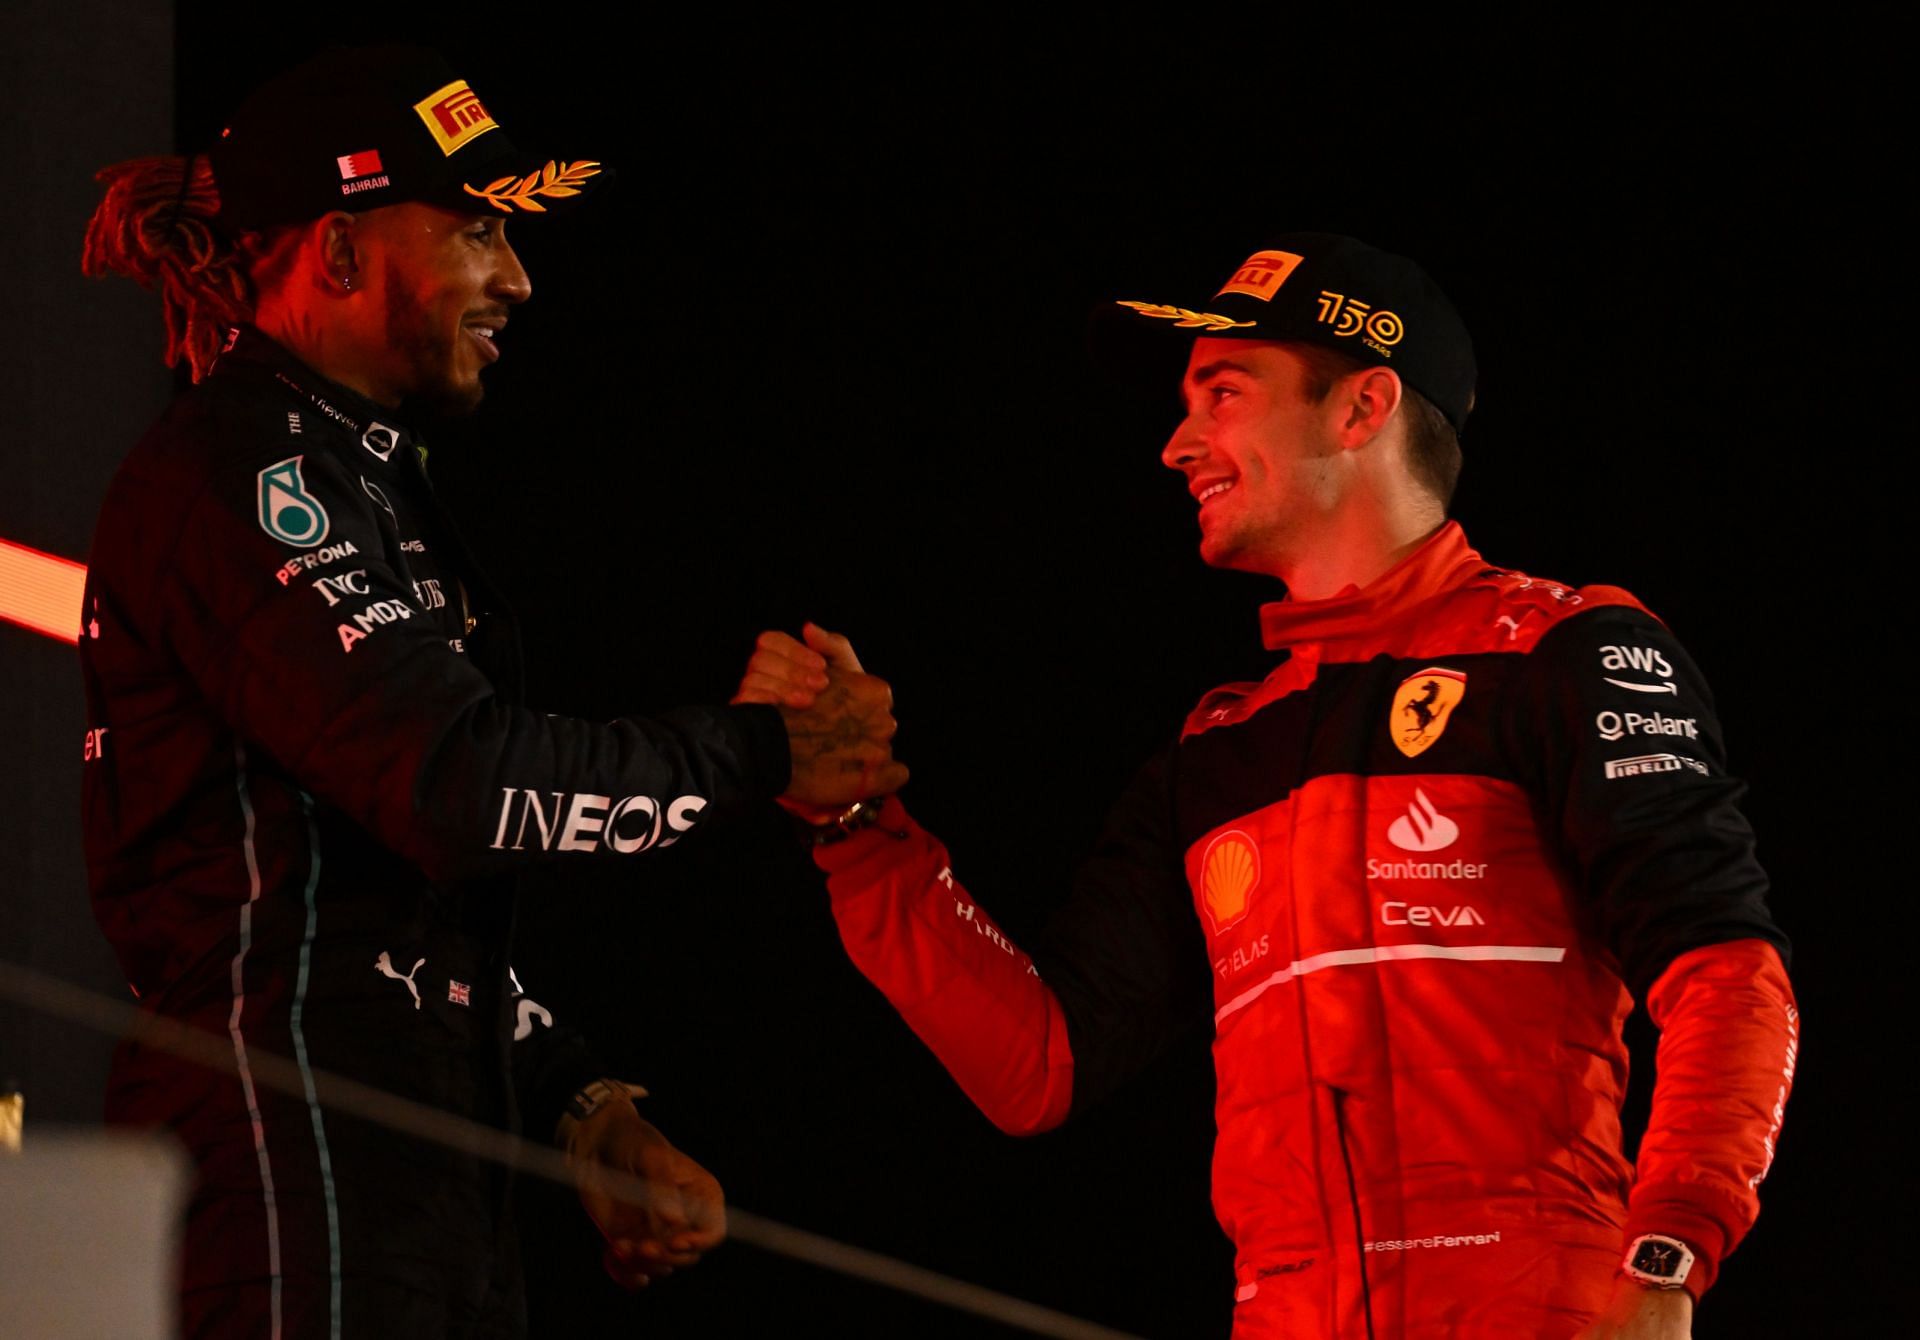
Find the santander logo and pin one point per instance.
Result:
(1422, 827)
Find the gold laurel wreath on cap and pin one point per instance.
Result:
(1184, 319)
(555, 181)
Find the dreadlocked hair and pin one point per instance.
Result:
(155, 225)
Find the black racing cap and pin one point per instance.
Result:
(1371, 305)
(358, 128)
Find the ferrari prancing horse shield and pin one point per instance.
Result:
(1423, 705)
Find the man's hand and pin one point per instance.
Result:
(839, 718)
(1636, 1313)
(784, 672)
(684, 1212)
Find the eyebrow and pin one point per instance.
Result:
(1202, 375)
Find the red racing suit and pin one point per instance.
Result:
(1418, 876)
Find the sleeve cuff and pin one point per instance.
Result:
(547, 1099)
(1702, 1232)
(769, 761)
(882, 836)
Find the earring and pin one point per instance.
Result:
(346, 282)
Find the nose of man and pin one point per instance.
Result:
(509, 281)
(1185, 447)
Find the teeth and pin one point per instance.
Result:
(1217, 488)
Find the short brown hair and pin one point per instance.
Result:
(1433, 448)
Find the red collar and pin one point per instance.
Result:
(1444, 562)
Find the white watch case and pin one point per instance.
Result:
(1658, 1261)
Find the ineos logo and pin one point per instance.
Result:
(590, 822)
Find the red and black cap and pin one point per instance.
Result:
(1325, 289)
(358, 128)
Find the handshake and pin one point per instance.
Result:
(839, 720)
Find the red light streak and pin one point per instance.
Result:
(41, 591)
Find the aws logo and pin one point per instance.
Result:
(1229, 873)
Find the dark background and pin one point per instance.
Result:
(820, 352)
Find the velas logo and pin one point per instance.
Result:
(1379, 331)
(1423, 706)
(454, 116)
(1422, 827)
(1229, 873)
(1261, 274)
(364, 164)
(287, 511)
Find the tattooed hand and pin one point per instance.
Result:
(839, 718)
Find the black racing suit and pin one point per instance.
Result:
(309, 782)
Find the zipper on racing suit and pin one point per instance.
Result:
(1353, 1198)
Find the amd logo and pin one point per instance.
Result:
(590, 822)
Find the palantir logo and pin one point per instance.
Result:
(1422, 827)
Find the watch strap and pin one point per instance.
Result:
(594, 1096)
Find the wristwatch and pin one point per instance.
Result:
(1658, 1261)
(861, 814)
(598, 1094)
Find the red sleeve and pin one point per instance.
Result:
(1729, 1037)
(968, 991)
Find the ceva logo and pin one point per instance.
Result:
(1422, 827)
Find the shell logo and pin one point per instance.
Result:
(1229, 873)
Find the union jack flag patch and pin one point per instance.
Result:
(458, 992)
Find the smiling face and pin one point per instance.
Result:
(1261, 458)
(444, 284)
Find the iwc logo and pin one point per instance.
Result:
(287, 511)
(1423, 706)
(1228, 874)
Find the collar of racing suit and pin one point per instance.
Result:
(387, 442)
(1443, 562)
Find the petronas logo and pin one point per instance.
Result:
(287, 511)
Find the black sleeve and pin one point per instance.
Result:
(356, 693)
(1616, 733)
(1124, 955)
(551, 1062)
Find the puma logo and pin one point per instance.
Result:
(385, 965)
(1513, 627)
